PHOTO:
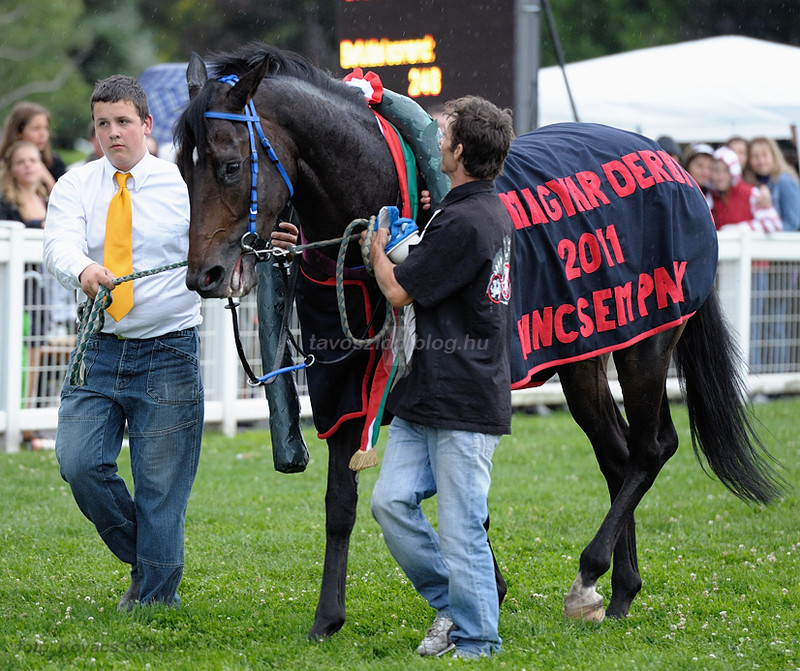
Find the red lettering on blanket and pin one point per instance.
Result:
(515, 209)
(673, 166)
(601, 310)
(582, 202)
(623, 298)
(550, 205)
(656, 166)
(587, 325)
(524, 332)
(584, 191)
(632, 161)
(537, 214)
(611, 169)
(644, 290)
(590, 183)
(666, 287)
(560, 189)
(562, 335)
(591, 250)
(542, 328)
(604, 310)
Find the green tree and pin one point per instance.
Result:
(53, 53)
(38, 60)
(108, 49)
(207, 26)
(589, 30)
(775, 21)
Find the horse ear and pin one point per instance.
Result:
(246, 87)
(196, 75)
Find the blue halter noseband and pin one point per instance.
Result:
(253, 121)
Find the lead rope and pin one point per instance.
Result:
(388, 323)
(91, 318)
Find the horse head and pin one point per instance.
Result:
(214, 156)
(319, 139)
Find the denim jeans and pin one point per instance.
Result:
(154, 385)
(452, 569)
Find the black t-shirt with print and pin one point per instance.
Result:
(458, 276)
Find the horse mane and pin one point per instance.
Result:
(190, 128)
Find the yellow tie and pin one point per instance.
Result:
(117, 251)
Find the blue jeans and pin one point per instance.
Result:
(453, 569)
(154, 385)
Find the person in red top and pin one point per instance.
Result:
(736, 203)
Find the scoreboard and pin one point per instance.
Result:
(432, 50)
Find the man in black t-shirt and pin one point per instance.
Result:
(454, 403)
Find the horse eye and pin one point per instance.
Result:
(232, 169)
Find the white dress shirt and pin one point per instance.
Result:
(75, 228)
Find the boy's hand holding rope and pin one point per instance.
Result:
(91, 318)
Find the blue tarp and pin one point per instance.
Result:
(167, 93)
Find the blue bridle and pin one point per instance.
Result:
(253, 121)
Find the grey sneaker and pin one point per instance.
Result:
(437, 641)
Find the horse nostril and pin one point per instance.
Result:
(213, 276)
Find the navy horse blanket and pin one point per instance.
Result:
(614, 242)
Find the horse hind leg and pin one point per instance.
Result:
(593, 407)
(626, 580)
(583, 602)
(341, 499)
(630, 458)
(500, 581)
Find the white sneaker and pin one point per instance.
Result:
(437, 640)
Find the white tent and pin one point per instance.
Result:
(706, 89)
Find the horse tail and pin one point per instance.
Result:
(711, 369)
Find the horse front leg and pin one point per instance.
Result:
(341, 499)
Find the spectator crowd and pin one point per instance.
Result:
(750, 184)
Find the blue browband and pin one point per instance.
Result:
(252, 119)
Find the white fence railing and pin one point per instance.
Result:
(758, 281)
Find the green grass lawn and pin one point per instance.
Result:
(721, 579)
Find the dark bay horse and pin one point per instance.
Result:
(338, 166)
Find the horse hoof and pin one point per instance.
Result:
(591, 613)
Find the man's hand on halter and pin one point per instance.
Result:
(285, 238)
(425, 199)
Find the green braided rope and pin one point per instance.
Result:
(388, 323)
(91, 318)
(91, 313)
(296, 249)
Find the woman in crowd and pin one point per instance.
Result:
(741, 147)
(771, 169)
(31, 122)
(23, 195)
(697, 161)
